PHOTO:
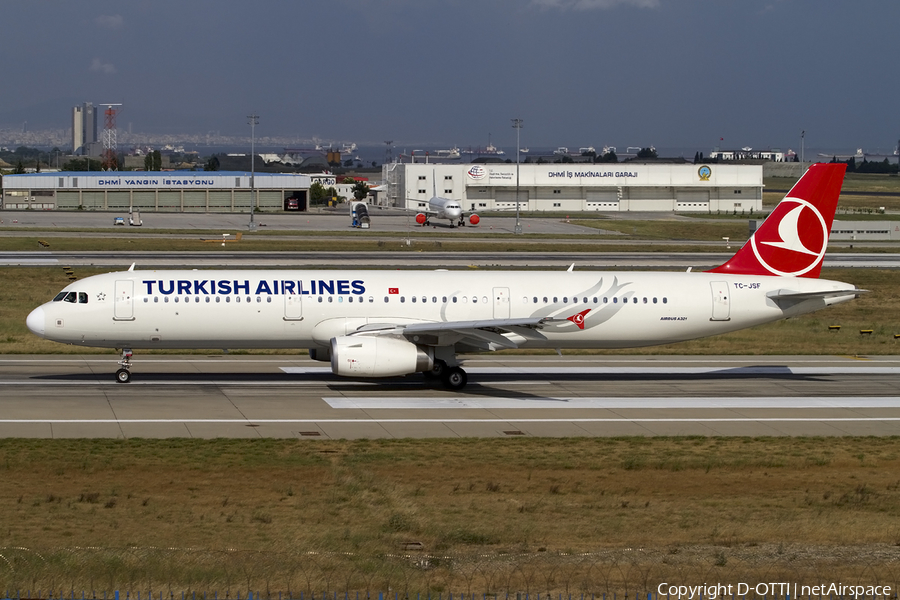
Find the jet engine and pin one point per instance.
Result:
(421, 218)
(474, 219)
(363, 356)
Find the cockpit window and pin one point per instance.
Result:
(71, 297)
(60, 296)
(82, 298)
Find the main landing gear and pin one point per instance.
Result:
(453, 378)
(123, 375)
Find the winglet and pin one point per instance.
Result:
(791, 242)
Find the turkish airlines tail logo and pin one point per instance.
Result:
(793, 239)
(578, 319)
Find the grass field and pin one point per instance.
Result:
(878, 310)
(484, 516)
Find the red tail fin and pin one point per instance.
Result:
(792, 241)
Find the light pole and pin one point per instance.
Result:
(517, 125)
(253, 122)
(802, 136)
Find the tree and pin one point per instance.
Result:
(212, 164)
(20, 168)
(609, 157)
(647, 153)
(317, 193)
(360, 190)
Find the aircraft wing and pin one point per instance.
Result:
(484, 334)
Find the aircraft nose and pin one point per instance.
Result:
(454, 213)
(36, 321)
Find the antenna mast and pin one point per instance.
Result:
(110, 145)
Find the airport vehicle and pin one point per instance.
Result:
(393, 323)
(118, 221)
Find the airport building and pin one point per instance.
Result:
(168, 191)
(602, 187)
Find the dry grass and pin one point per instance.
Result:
(518, 508)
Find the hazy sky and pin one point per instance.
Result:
(672, 73)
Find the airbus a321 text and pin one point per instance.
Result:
(394, 323)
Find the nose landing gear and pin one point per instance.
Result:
(123, 375)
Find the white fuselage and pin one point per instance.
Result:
(306, 309)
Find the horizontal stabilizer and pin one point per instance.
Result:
(823, 294)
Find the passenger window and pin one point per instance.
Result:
(654, 301)
(605, 300)
(268, 299)
(82, 298)
(320, 298)
(444, 299)
(371, 299)
(237, 298)
(258, 299)
(634, 300)
(484, 299)
(227, 299)
(595, 299)
(474, 299)
(535, 299)
(585, 300)
(331, 298)
(454, 299)
(166, 299)
(413, 298)
(565, 300)
(645, 300)
(187, 299)
(665, 300)
(218, 299)
(402, 299)
(545, 299)
(387, 299)
(146, 300)
(615, 300)
(434, 299)
(555, 300)
(156, 298)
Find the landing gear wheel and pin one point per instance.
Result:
(123, 376)
(437, 371)
(455, 378)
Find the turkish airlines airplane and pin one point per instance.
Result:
(393, 323)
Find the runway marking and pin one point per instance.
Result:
(786, 402)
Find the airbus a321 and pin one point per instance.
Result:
(395, 323)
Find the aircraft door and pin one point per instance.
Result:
(501, 303)
(293, 307)
(124, 302)
(721, 305)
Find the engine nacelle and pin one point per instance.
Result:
(320, 354)
(363, 356)
(421, 218)
(474, 219)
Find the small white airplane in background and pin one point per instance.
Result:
(391, 323)
(444, 208)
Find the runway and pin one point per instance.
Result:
(507, 396)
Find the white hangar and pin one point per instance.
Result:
(602, 187)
